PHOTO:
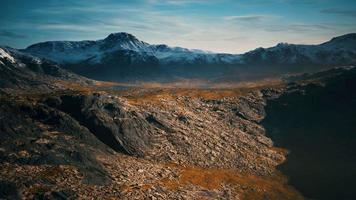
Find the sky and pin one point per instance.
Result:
(227, 26)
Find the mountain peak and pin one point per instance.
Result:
(350, 36)
(347, 41)
(120, 36)
(283, 44)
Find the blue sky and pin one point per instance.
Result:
(233, 26)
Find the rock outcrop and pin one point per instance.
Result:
(146, 144)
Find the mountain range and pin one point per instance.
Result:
(121, 57)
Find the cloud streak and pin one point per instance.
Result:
(342, 12)
(13, 35)
(218, 25)
(182, 2)
(249, 18)
(298, 27)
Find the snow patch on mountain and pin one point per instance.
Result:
(339, 50)
(94, 51)
(6, 56)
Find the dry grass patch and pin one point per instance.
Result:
(246, 186)
(158, 93)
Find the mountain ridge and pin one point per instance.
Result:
(20, 70)
(123, 56)
(131, 36)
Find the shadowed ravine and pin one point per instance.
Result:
(317, 124)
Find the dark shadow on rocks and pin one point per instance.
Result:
(76, 107)
(19, 131)
(8, 190)
(317, 124)
(124, 132)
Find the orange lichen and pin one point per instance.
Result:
(161, 92)
(246, 186)
(161, 95)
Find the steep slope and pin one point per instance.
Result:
(317, 111)
(345, 42)
(23, 71)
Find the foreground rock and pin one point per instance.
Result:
(142, 144)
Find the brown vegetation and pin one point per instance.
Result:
(246, 186)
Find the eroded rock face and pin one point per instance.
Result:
(210, 133)
(185, 130)
(107, 119)
(80, 145)
(36, 134)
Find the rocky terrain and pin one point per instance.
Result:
(75, 138)
(158, 146)
(67, 137)
(22, 72)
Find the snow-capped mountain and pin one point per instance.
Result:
(338, 51)
(77, 51)
(176, 55)
(123, 56)
(94, 51)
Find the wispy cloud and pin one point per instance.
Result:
(67, 27)
(301, 1)
(342, 12)
(298, 27)
(216, 25)
(182, 2)
(9, 34)
(250, 18)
